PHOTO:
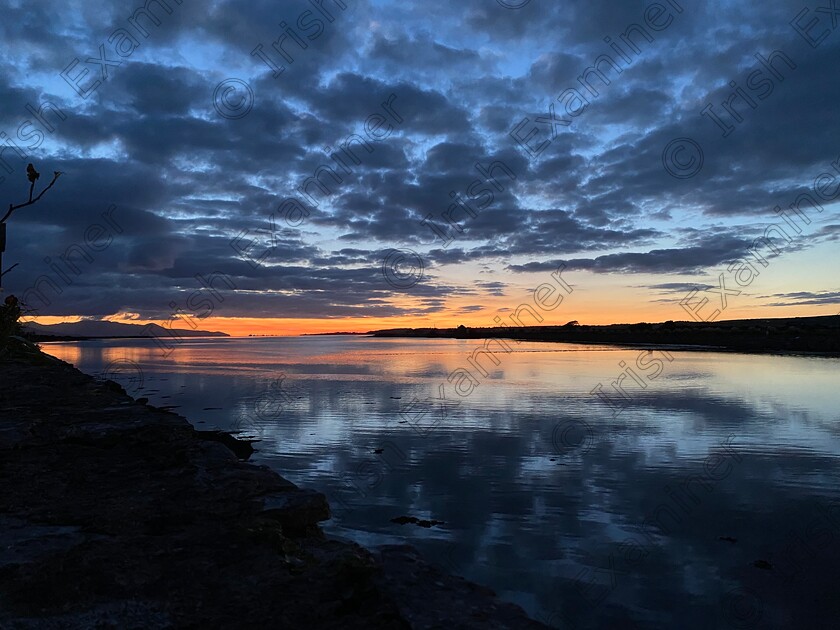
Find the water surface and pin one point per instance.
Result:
(583, 511)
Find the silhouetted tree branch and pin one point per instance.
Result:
(33, 175)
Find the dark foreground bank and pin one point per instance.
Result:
(117, 514)
(810, 335)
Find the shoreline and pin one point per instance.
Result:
(118, 513)
(676, 347)
(800, 336)
(817, 336)
(645, 346)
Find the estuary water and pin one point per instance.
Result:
(701, 491)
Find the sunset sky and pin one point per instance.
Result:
(199, 134)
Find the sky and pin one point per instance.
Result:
(269, 167)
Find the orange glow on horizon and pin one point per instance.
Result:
(244, 326)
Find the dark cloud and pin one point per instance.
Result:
(186, 181)
(800, 298)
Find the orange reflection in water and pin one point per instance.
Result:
(76, 353)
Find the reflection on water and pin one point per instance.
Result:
(710, 500)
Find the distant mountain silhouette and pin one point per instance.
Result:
(113, 329)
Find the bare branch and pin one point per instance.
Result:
(8, 270)
(12, 208)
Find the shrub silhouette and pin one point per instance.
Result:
(9, 322)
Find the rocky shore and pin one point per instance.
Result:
(115, 514)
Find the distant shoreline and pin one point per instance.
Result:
(811, 336)
(814, 336)
(57, 338)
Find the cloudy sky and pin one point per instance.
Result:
(209, 134)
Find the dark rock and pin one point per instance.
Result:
(241, 448)
(113, 386)
(426, 597)
(298, 512)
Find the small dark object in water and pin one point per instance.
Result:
(396, 397)
(423, 523)
(142, 401)
(728, 539)
(403, 520)
(378, 450)
(552, 459)
(763, 564)
(212, 409)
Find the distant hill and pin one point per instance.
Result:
(100, 329)
(816, 335)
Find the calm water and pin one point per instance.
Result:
(583, 515)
